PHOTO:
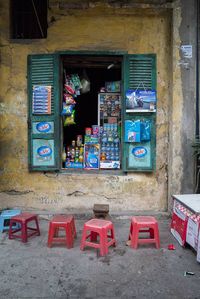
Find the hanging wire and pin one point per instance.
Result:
(38, 20)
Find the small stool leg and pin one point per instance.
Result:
(10, 229)
(93, 236)
(151, 231)
(103, 243)
(84, 236)
(157, 238)
(24, 232)
(69, 236)
(113, 235)
(50, 235)
(74, 228)
(130, 232)
(135, 236)
(37, 226)
(1, 224)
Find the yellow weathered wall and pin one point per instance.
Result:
(101, 27)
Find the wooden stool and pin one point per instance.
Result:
(143, 224)
(23, 219)
(62, 222)
(98, 227)
(101, 211)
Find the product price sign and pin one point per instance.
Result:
(139, 155)
(43, 127)
(41, 99)
(141, 100)
(43, 152)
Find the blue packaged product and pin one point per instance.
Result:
(145, 130)
(132, 131)
(91, 156)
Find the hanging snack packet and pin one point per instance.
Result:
(69, 120)
(69, 89)
(69, 100)
(85, 83)
(67, 109)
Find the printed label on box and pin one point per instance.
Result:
(192, 233)
(198, 249)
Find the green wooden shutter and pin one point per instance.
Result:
(44, 129)
(139, 69)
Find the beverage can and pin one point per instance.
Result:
(88, 131)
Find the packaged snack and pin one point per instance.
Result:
(69, 89)
(67, 109)
(69, 100)
(69, 120)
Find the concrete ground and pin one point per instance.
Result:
(33, 270)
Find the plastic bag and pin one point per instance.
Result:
(85, 83)
(69, 120)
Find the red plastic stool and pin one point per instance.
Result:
(65, 222)
(143, 224)
(26, 231)
(102, 228)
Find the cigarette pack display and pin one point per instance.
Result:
(109, 118)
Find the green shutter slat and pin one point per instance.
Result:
(43, 70)
(140, 71)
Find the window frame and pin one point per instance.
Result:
(57, 75)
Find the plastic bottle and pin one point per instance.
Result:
(64, 155)
(68, 158)
(72, 155)
(76, 155)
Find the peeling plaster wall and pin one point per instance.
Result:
(182, 112)
(136, 30)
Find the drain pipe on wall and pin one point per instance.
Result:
(197, 74)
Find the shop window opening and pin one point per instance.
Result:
(91, 112)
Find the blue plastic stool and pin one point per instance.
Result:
(6, 215)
